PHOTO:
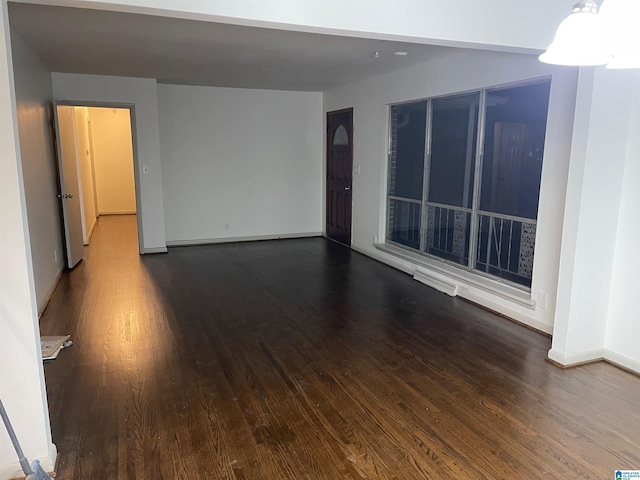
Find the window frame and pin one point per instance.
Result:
(475, 211)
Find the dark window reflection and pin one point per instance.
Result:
(409, 128)
(515, 127)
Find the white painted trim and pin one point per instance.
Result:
(385, 259)
(14, 470)
(96, 85)
(463, 278)
(507, 312)
(568, 360)
(621, 360)
(442, 285)
(91, 230)
(120, 212)
(605, 354)
(252, 238)
(461, 291)
(44, 302)
(145, 251)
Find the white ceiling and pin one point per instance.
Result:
(74, 40)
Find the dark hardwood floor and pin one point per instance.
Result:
(299, 359)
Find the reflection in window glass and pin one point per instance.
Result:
(454, 127)
(502, 214)
(453, 150)
(516, 120)
(515, 127)
(407, 150)
(406, 172)
(404, 222)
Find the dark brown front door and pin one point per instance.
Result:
(339, 175)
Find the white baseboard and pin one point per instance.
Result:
(148, 250)
(442, 285)
(45, 301)
(462, 278)
(456, 287)
(251, 238)
(622, 361)
(578, 358)
(118, 212)
(386, 259)
(507, 312)
(573, 359)
(13, 470)
(91, 230)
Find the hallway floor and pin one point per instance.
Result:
(300, 359)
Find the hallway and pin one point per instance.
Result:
(302, 359)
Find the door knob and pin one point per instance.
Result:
(347, 188)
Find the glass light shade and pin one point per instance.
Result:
(579, 41)
(621, 20)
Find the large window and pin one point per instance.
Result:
(448, 199)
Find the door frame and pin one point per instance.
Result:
(134, 147)
(326, 165)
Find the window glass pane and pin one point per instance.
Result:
(341, 137)
(515, 127)
(509, 178)
(404, 222)
(448, 233)
(453, 150)
(406, 168)
(505, 248)
(454, 129)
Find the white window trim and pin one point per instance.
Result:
(460, 277)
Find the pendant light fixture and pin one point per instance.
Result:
(591, 36)
(579, 40)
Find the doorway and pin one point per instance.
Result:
(339, 175)
(96, 163)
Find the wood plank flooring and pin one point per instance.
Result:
(299, 359)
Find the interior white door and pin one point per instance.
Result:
(70, 191)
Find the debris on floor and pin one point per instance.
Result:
(51, 345)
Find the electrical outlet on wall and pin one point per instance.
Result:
(543, 300)
(227, 226)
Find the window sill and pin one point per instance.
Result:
(460, 278)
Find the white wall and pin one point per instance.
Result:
(22, 387)
(623, 327)
(591, 215)
(85, 177)
(34, 99)
(250, 159)
(597, 312)
(113, 160)
(141, 93)
(459, 73)
(21, 378)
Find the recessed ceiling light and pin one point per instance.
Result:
(376, 55)
(400, 54)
